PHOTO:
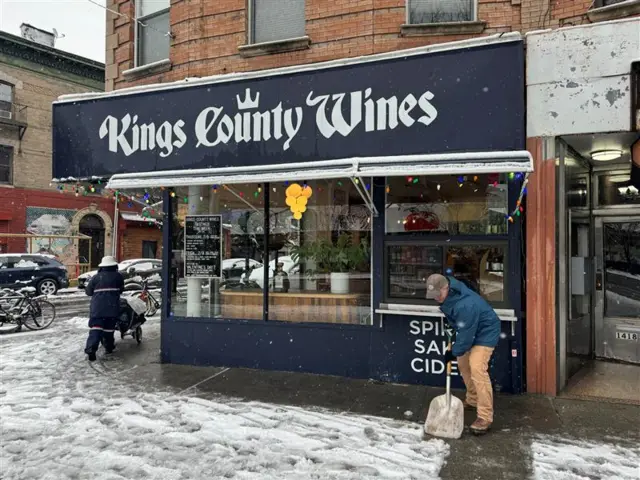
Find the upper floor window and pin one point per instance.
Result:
(6, 164)
(6, 100)
(152, 31)
(440, 11)
(271, 20)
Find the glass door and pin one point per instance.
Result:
(579, 336)
(617, 302)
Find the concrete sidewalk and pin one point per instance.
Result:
(499, 454)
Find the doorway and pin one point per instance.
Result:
(617, 289)
(93, 226)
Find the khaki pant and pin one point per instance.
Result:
(474, 368)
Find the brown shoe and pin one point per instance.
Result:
(480, 426)
(468, 406)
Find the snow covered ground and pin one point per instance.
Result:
(63, 419)
(556, 458)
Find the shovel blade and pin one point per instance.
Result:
(446, 421)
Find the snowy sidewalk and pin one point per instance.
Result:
(132, 418)
(61, 418)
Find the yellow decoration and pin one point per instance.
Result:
(293, 190)
(307, 192)
(297, 198)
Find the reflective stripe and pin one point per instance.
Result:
(106, 290)
(108, 331)
(96, 328)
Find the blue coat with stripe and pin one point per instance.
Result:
(104, 289)
(472, 318)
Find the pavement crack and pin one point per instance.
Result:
(556, 411)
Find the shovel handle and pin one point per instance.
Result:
(449, 363)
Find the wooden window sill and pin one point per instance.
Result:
(279, 46)
(445, 28)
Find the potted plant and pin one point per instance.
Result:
(338, 260)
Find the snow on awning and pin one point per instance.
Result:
(446, 164)
(428, 164)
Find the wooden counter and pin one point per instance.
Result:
(297, 307)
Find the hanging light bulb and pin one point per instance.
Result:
(438, 187)
(259, 189)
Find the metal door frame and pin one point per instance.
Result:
(630, 215)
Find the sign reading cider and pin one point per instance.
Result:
(429, 352)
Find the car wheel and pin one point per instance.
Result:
(47, 286)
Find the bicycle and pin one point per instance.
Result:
(22, 307)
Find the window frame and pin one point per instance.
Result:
(474, 15)
(137, 26)
(251, 18)
(11, 150)
(154, 243)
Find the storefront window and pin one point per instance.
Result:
(450, 205)
(317, 253)
(481, 268)
(238, 294)
(321, 263)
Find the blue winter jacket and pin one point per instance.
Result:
(472, 318)
(104, 289)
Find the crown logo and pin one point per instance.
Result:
(248, 103)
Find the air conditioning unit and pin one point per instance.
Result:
(5, 114)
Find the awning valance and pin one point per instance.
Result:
(359, 167)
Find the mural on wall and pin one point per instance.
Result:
(52, 221)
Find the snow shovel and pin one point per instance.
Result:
(446, 413)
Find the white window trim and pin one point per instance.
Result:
(251, 27)
(137, 26)
(474, 17)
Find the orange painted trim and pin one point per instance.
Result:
(541, 363)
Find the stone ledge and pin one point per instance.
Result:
(445, 28)
(279, 46)
(615, 11)
(160, 66)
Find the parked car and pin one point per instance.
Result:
(233, 268)
(132, 270)
(43, 272)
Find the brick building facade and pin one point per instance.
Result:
(209, 38)
(32, 76)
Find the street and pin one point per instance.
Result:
(63, 418)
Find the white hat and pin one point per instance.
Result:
(108, 261)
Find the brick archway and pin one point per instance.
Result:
(106, 220)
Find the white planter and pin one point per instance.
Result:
(339, 282)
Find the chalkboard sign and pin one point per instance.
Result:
(203, 246)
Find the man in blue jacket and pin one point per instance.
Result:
(104, 288)
(477, 330)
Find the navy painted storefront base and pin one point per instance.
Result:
(405, 350)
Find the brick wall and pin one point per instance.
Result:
(131, 239)
(32, 164)
(207, 35)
